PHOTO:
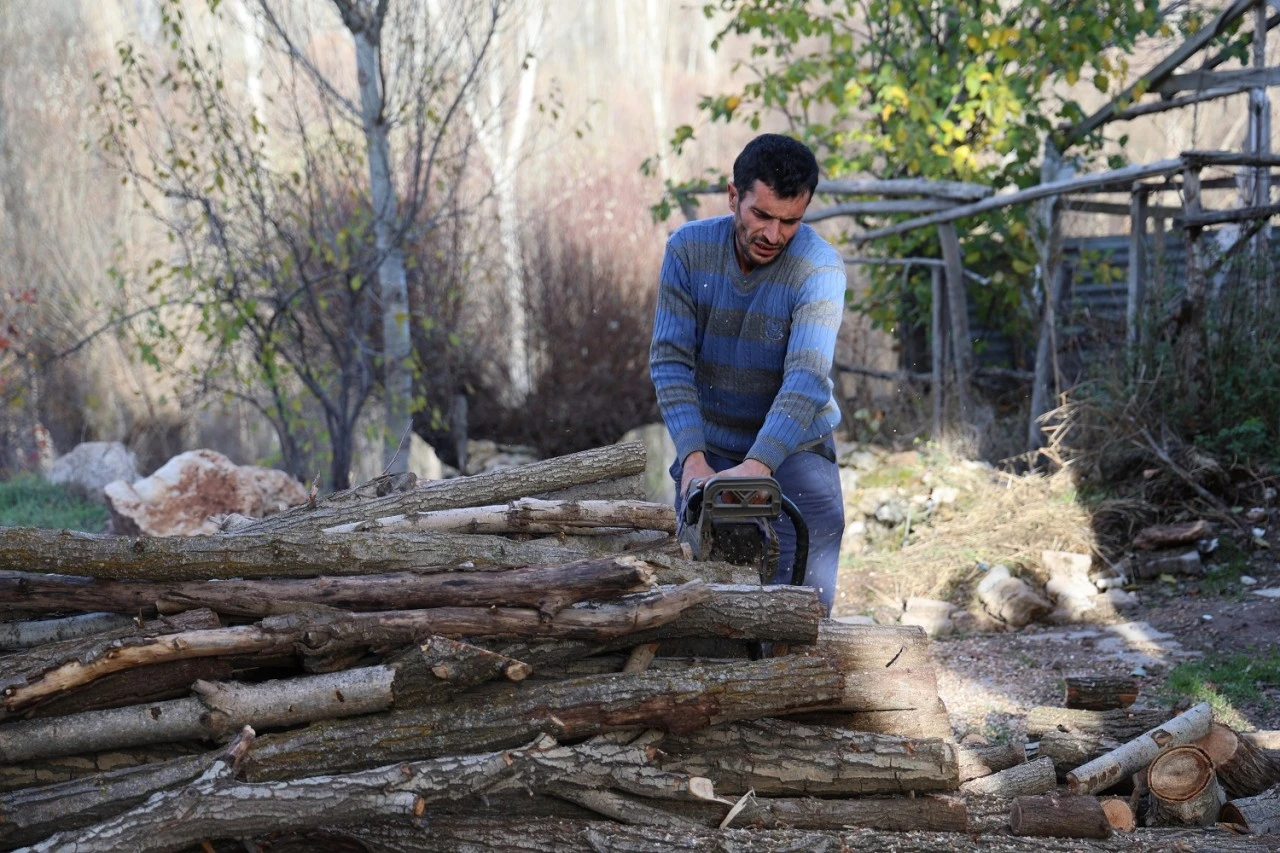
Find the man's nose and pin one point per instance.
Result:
(772, 231)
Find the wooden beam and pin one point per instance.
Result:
(1084, 182)
(1177, 103)
(1229, 158)
(1246, 39)
(907, 262)
(888, 187)
(1137, 267)
(1157, 75)
(1202, 81)
(884, 207)
(1108, 208)
(1222, 217)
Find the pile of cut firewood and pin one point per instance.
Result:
(520, 660)
(400, 657)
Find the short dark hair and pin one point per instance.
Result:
(786, 166)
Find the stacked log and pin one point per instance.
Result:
(449, 651)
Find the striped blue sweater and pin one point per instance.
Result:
(741, 362)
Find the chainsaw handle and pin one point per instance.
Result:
(801, 560)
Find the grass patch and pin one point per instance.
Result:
(28, 500)
(1225, 681)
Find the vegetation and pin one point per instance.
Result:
(1225, 681)
(29, 500)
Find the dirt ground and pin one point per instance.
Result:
(990, 678)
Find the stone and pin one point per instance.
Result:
(660, 453)
(423, 460)
(90, 466)
(930, 614)
(187, 492)
(1159, 563)
(484, 455)
(944, 495)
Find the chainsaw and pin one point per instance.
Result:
(730, 519)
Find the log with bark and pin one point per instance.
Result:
(1122, 725)
(322, 633)
(1259, 814)
(427, 674)
(1243, 769)
(222, 557)
(588, 466)
(1103, 772)
(1059, 817)
(526, 515)
(1119, 814)
(1184, 789)
(1100, 692)
(1069, 750)
(549, 588)
(977, 760)
(26, 635)
(785, 758)
(1034, 777)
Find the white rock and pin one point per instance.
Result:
(1269, 592)
(942, 495)
(91, 465)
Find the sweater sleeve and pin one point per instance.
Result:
(806, 382)
(672, 356)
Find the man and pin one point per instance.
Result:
(748, 310)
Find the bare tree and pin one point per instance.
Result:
(291, 268)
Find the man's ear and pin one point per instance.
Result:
(733, 198)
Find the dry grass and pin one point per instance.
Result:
(997, 518)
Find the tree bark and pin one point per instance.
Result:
(35, 774)
(628, 488)
(1102, 773)
(324, 632)
(224, 557)
(1059, 817)
(588, 466)
(1184, 789)
(1069, 750)
(928, 721)
(526, 515)
(677, 702)
(156, 683)
(217, 806)
(1121, 725)
(782, 758)
(1243, 769)
(26, 635)
(1101, 692)
(1260, 814)
(518, 835)
(30, 663)
(976, 761)
(1034, 777)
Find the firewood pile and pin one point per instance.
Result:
(520, 660)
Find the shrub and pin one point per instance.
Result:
(28, 500)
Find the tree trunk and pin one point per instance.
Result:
(1034, 777)
(156, 683)
(1101, 692)
(35, 774)
(1059, 817)
(526, 515)
(26, 635)
(677, 702)
(1102, 773)
(976, 761)
(1242, 768)
(958, 312)
(1184, 789)
(1259, 814)
(548, 588)
(324, 632)
(588, 466)
(782, 758)
(1121, 725)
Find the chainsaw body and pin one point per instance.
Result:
(730, 519)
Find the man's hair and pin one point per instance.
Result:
(786, 166)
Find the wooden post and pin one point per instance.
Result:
(1137, 268)
(958, 305)
(1259, 141)
(939, 350)
(1050, 246)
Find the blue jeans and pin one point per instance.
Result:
(813, 485)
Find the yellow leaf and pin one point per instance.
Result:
(974, 43)
(1102, 82)
(731, 103)
(886, 111)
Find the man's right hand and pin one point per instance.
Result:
(694, 467)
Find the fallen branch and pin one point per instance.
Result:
(1103, 772)
(526, 515)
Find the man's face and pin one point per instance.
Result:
(763, 223)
